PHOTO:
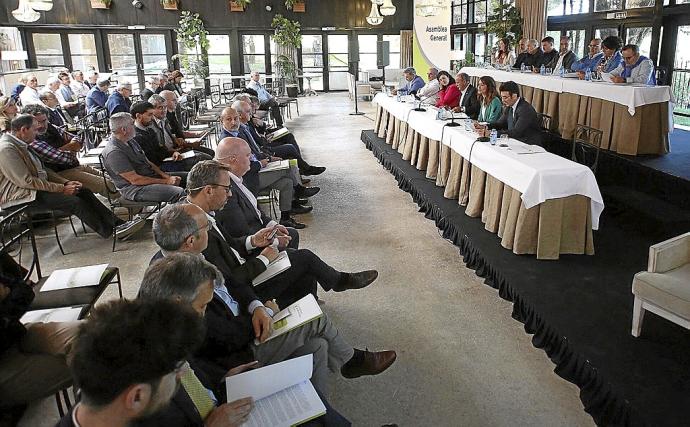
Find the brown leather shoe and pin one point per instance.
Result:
(373, 363)
(356, 280)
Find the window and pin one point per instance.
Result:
(219, 54)
(479, 11)
(577, 42)
(367, 51)
(48, 49)
(556, 36)
(253, 53)
(153, 53)
(394, 43)
(634, 4)
(602, 33)
(83, 50)
(10, 39)
(479, 47)
(460, 12)
(460, 41)
(122, 56)
(337, 61)
(567, 7)
(312, 59)
(642, 37)
(604, 5)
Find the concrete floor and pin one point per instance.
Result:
(462, 359)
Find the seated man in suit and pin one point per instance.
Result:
(234, 256)
(234, 319)
(190, 280)
(98, 95)
(56, 115)
(68, 100)
(519, 119)
(281, 180)
(635, 67)
(127, 362)
(173, 141)
(134, 175)
(33, 357)
(241, 215)
(412, 83)
(172, 120)
(118, 101)
(23, 179)
(468, 103)
(566, 57)
(548, 56)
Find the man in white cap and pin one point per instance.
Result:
(118, 101)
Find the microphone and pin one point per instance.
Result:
(419, 106)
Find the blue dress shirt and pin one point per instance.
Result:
(587, 63)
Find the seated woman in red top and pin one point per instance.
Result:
(449, 95)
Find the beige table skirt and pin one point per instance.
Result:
(644, 133)
(557, 226)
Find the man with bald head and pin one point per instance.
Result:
(282, 180)
(241, 215)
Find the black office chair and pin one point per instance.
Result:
(586, 146)
(661, 74)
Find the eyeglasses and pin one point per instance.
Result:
(226, 187)
(207, 227)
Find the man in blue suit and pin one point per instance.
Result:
(414, 83)
(118, 101)
(98, 95)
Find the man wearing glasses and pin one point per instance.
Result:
(429, 93)
(590, 61)
(635, 68)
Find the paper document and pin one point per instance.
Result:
(95, 151)
(300, 312)
(182, 99)
(606, 77)
(570, 76)
(277, 266)
(198, 127)
(278, 134)
(74, 277)
(193, 141)
(276, 166)
(526, 149)
(186, 155)
(89, 160)
(283, 395)
(62, 314)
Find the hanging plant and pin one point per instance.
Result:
(238, 5)
(101, 4)
(286, 32)
(169, 4)
(295, 5)
(192, 35)
(505, 22)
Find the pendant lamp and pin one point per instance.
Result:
(374, 17)
(42, 5)
(387, 8)
(25, 13)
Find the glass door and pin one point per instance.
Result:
(312, 60)
(134, 56)
(337, 61)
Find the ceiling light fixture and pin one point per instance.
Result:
(25, 13)
(42, 5)
(374, 17)
(388, 9)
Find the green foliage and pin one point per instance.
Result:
(505, 22)
(243, 3)
(290, 3)
(287, 32)
(164, 2)
(192, 35)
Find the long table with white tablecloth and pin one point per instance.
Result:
(538, 203)
(634, 119)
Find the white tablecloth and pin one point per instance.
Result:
(538, 177)
(629, 95)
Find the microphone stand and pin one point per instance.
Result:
(419, 106)
(452, 123)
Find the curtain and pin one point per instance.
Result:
(405, 49)
(533, 14)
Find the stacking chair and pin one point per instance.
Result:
(544, 121)
(37, 215)
(122, 203)
(586, 146)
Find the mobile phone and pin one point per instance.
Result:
(273, 233)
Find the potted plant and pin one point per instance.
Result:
(296, 5)
(193, 38)
(238, 5)
(101, 4)
(169, 4)
(288, 39)
(506, 23)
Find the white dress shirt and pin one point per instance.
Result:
(29, 96)
(429, 93)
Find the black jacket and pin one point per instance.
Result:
(523, 58)
(471, 102)
(13, 307)
(238, 217)
(154, 150)
(526, 125)
(546, 59)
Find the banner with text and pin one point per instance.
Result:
(432, 34)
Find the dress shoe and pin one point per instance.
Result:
(368, 363)
(292, 223)
(301, 201)
(314, 170)
(356, 280)
(302, 191)
(299, 209)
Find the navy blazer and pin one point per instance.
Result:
(251, 178)
(117, 103)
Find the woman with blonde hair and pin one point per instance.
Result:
(8, 111)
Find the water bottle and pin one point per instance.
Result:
(468, 125)
(588, 75)
(542, 70)
(493, 137)
(397, 97)
(561, 72)
(523, 67)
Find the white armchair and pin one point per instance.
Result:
(664, 289)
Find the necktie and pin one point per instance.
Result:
(197, 392)
(511, 118)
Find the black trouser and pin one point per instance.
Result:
(275, 110)
(84, 205)
(300, 279)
